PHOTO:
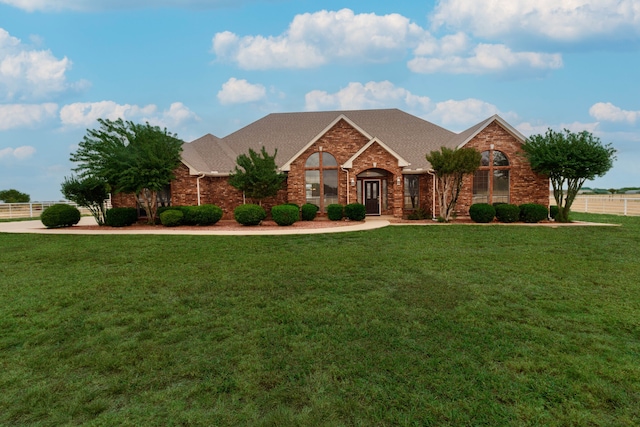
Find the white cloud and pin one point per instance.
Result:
(20, 153)
(86, 113)
(24, 115)
(26, 73)
(606, 111)
(565, 21)
(528, 129)
(314, 39)
(357, 96)
(93, 5)
(464, 113)
(236, 91)
(483, 59)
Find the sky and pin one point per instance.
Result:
(214, 66)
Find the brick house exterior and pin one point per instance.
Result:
(373, 157)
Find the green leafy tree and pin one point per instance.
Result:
(257, 175)
(450, 167)
(568, 159)
(131, 158)
(89, 192)
(14, 196)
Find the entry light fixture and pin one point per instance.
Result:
(353, 182)
(398, 180)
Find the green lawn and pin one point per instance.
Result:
(437, 325)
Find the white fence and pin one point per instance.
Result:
(616, 204)
(30, 210)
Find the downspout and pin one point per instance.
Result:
(433, 195)
(202, 175)
(347, 171)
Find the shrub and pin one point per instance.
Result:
(309, 211)
(507, 213)
(419, 214)
(355, 211)
(285, 214)
(60, 215)
(249, 214)
(171, 217)
(553, 211)
(533, 212)
(335, 211)
(205, 214)
(482, 212)
(121, 217)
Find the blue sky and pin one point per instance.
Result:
(214, 66)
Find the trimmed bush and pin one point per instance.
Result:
(205, 214)
(121, 217)
(249, 214)
(507, 213)
(533, 212)
(285, 214)
(60, 215)
(335, 212)
(482, 212)
(355, 211)
(553, 211)
(171, 217)
(309, 211)
(419, 214)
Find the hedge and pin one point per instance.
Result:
(249, 214)
(309, 211)
(286, 214)
(533, 212)
(121, 217)
(171, 217)
(60, 215)
(355, 211)
(335, 212)
(507, 212)
(482, 212)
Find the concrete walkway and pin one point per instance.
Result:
(37, 227)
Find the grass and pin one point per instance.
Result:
(437, 325)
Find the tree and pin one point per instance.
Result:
(14, 196)
(568, 159)
(89, 192)
(257, 175)
(450, 167)
(131, 158)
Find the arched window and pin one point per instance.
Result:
(491, 180)
(321, 180)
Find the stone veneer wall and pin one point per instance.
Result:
(525, 186)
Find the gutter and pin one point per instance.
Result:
(347, 171)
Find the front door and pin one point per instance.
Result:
(372, 197)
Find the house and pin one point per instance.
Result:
(374, 157)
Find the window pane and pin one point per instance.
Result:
(328, 160)
(312, 187)
(499, 159)
(501, 186)
(330, 181)
(481, 187)
(411, 191)
(485, 159)
(313, 161)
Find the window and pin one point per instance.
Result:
(491, 180)
(411, 191)
(321, 180)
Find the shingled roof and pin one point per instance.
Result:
(409, 136)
